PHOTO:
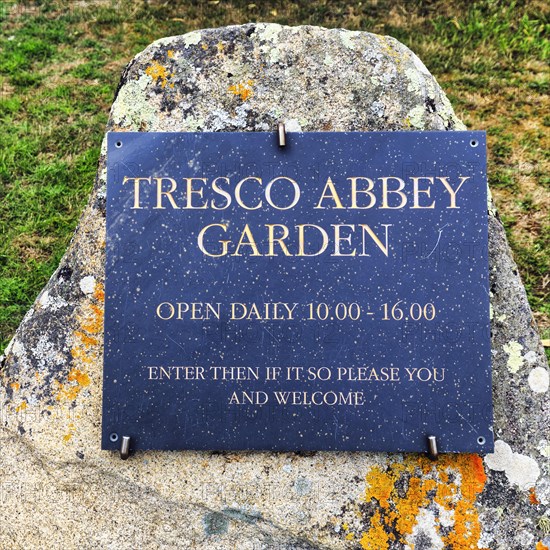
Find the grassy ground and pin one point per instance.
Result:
(61, 62)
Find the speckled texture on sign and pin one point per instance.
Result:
(58, 489)
(321, 337)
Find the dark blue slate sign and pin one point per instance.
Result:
(331, 294)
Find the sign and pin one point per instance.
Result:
(331, 294)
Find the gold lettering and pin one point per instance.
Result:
(279, 240)
(168, 194)
(338, 238)
(333, 195)
(417, 191)
(377, 241)
(136, 189)
(250, 242)
(221, 192)
(296, 193)
(367, 191)
(301, 239)
(452, 192)
(171, 311)
(191, 192)
(200, 240)
(398, 191)
(238, 194)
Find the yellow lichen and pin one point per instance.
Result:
(376, 538)
(86, 346)
(397, 512)
(158, 73)
(242, 89)
(99, 292)
(67, 436)
(86, 340)
(21, 407)
(170, 54)
(81, 378)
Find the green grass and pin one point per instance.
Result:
(61, 63)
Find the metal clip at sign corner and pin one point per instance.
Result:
(433, 453)
(282, 134)
(125, 447)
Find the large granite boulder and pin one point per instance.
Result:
(59, 490)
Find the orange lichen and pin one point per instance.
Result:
(15, 386)
(79, 377)
(158, 73)
(81, 355)
(21, 407)
(533, 496)
(242, 89)
(453, 483)
(80, 380)
(70, 393)
(86, 340)
(376, 538)
(67, 436)
(99, 292)
(541, 546)
(86, 346)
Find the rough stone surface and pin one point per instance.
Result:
(58, 489)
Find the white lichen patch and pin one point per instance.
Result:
(328, 60)
(378, 108)
(87, 284)
(425, 528)
(446, 112)
(416, 83)
(521, 470)
(544, 448)
(51, 302)
(46, 354)
(539, 380)
(192, 38)
(15, 347)
(18, 349)
(416, 117)
(193, 124)
(292, 125)
(525, 538)
(143, 81)
(269, 33)
(515, 360)
(347, 38)
(132, 107)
